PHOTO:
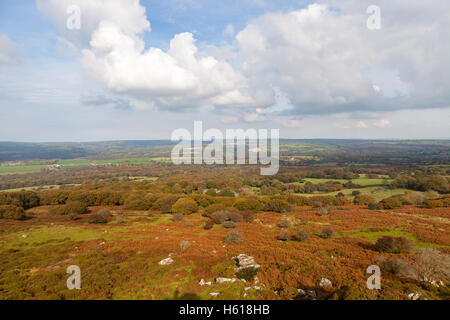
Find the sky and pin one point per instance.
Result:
(95, 70)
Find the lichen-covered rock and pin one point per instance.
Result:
(166, 262)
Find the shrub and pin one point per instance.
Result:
(277, 205)
(234, 237)
(105, 212)
(185, 206)
(220, 217)
(165, 203)
(324, 211)
(235, 217)
(431, 204)
(208, 225)
(209, 210)
(177, 217)
(12, 212)
(391, 244)
(284, 236)
(373, 206)
(284, 224)
(356, 193)
(248, 274)
(392, 203)
(327, 233)
(433, 265)
(248, 216)
(301, 235)
(249, 204)
(364, 200)
(97, 219)
(398, 267)
(73, 207)
(229, 224)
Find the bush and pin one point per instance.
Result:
(227, 193)
(390, 244)
(235, 217)
(229, 224)
(364, 200)
(284, 224)
(97, 219)
(209, 210)
(433, 265)
(373, 206)
(220, 217)
(249, 204)
(248, 216)
(284, 236)
(12, 212)
(73, 217)
(208, 225)
(278, 205)
(248, 274)
(177, 217)
(398, 267)
(392, 203)
(105, 212)
(327, 233)
(431, 204)
(73, 207)
(301, 235)
(185, 206)
(165, 203)
(324, 211)
(233, 237)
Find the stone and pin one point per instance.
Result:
(325, 283)
(214, 294)
(223, 280)
(414, 296)
(166, 262)
(204, 283)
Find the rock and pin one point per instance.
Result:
(223, 280)
(257, 288)
(245, 261)
(214, 294)
(24, 236)
(308, 294)
(204, 283)
(414, 296)
(214, 251)
(325, 283)
(166, 262)
(247, 288)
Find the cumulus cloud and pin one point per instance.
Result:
(322, 58)
(326, 60)
(8, 50)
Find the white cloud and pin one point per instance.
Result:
(229, 119)
(8, 50)
(327, 61)
(128, 14)
(361, 125)
(382, 123)
(292, 123)
(229, 30)
(321, 59)
(254, 117)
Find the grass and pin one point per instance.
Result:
(379, 193)
(373, 236)
(10, 169)
(49, 234)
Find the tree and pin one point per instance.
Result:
(185, 206)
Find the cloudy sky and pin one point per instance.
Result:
(139, 69)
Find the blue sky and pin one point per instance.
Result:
(299, 66)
